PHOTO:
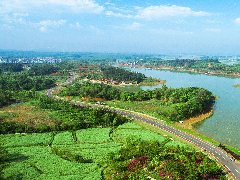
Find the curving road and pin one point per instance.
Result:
(223, 158)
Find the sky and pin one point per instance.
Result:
(203, 27)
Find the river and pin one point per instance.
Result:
(224, 125)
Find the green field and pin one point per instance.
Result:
(39, 162)
(66, 155)
(151, 107)
(93, 135)
(63, 138)
(19, 140)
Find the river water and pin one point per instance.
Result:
(224, 125)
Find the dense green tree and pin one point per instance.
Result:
(182, 102)
(11, 67)
(119, 74)
(43, 69)
(94, 90)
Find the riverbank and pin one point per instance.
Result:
(149, 81)
(184, 70)
(189, 123)
(195, 71)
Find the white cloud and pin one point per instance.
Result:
(122, 12)
(48, 24)
(117, 14)
(214, 30)
(134, 26)
(15, 12)
(15, 6)
(76, 25)
(155, 12)
(78, 5)
(237, 20)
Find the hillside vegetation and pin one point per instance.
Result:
(174, 104)
(198, 66)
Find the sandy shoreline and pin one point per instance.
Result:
(188, 124)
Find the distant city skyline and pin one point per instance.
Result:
(156, 27)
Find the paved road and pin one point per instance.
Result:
(225, 159)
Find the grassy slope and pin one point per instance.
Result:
(27, 113)
(146, 107)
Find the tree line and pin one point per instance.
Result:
(210, 65)
(182, 102)
(16, 86)
(69, 117)
(119, 74)
(94, 90)
(11, 67)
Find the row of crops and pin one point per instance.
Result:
(68, 154)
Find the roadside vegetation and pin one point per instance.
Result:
(172, 104)
(152, 160)
(66, 117)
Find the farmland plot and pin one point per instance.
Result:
(90, 152)
(63, 138)
(38, 161)
(66, 154)
(93, 135)
(121, 134)
(15, 140)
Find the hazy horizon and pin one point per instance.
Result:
(121, 53)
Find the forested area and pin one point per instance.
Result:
(17, 84)
(188, 63)
(68, 117)
(75, 117)
(11, 67)
(14, 87)
(42, 69)
(119, 74)
(203, 66)
(182, 102)
(93, 90)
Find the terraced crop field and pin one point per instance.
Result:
(68, 154)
